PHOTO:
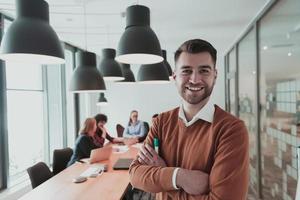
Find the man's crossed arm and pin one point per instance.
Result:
(194, 182)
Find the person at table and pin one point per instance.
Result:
(154, 117)
(101, 132)
(84, 143)
(135, 130)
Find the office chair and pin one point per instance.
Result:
(146, 124)
(38, 174)
(120, 130)
(61, 158)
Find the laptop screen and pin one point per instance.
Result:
(122, 163)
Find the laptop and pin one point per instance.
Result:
(100, 154)
(122, 164)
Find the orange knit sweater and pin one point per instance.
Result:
(219, 148)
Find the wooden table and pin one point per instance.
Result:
(110, 185)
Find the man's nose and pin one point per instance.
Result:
(195, 77)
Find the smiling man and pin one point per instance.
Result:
(203, 150)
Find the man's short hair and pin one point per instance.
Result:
(196, 46)
(100, 118)
(155, 115)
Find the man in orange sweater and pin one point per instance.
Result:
(203, 150)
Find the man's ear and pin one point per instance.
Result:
(216, 73)
(173, 75)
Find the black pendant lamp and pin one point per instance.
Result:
(153, 73)
(30, 38)
(86, 77)
(127, 74)
(108, 67)
(102, 101)
(168, 66)
(138, 44)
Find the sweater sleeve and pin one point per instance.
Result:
(229, 176)
(151, 178)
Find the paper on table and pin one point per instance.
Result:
(138, 145)
(85, 160)
(120, 149)
(92, 171)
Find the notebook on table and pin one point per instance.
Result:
(122, 164)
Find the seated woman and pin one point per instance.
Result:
(135, 131)
(84, 143)
(101, 132)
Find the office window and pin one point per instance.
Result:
(247, 100)
(231, 75)
(279, 96)
(54, 104)
(70, 106)
(25, 118)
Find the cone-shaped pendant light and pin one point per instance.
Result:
(168, 66)
(153, 73)
(86, 77)
(30, 38)
(138, 44)
(127, 74)
(109, 68)
(102, 101)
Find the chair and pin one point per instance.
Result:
(120, 130)
(61, 158)
(146, 125)
(38, 174)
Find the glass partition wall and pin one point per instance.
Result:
(268, 93)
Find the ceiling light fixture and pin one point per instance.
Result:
(127, 74)
(30, 38)
(168, 66)
(86, 77)
(109, 68)
(153, 74)
(102, 101)
(138, 44)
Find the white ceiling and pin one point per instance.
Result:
(174, 21)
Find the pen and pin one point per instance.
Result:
(156, 144)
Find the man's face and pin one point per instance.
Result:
(101, 124)
(195, 76)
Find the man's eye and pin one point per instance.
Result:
(204, 71)
(186, 71)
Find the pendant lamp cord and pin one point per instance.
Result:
(107, 35)
(85, 27)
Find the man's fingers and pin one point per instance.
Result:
(144, 158)
(142, 161)
(151, 150)
(146, 153)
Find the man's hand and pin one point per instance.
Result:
(103, 132)
(147, 156)
(193, 182)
